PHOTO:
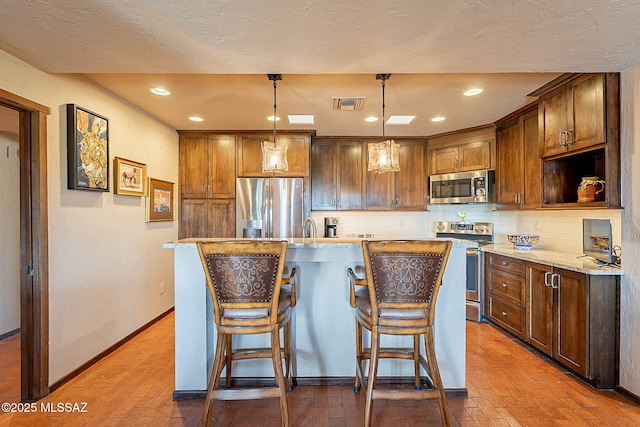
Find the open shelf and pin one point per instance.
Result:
(563, 175)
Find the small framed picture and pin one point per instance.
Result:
(160, 201)
(129, 177)
(87, 150)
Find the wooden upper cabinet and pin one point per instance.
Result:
(337, 175)
(250, 153)
(411, 186)
(207, 165)
(573, 116)
(461, 151)
(340, 180)
(519, 170)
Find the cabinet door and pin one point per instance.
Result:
(510, 163)
(221, 218)
(444, 160)
(380, 194)
(323, 175)
(200, 218)
(411, 181)
(193, 218)
(194, 166)
(250, 154)
(570, 332)
(539, 308)
(474, 156)
(587, 111)
(532, 169)
(222, 166)
(350, 167)
(552, 118)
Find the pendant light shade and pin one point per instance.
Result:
(383, 156)
(274, 155)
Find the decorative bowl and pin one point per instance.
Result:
(601, 241)
(523, 242)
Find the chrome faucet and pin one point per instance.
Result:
(313, 228)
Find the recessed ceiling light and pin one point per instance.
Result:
(473, 92)
(196, 119)
(300, 119)
(160, 91)
(400, 120)
(371, 119)
(270, 118)
(437, 119)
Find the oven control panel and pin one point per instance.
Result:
(465, 228)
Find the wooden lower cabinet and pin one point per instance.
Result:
(207, 218)
(572, 317)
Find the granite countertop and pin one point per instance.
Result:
(574, 262)
(303, 243)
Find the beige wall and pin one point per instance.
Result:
(106, 262)
(630, 289)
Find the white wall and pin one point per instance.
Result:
(9, 231)
(106, 262)
(630, 284)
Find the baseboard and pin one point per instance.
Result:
(626, 393)
(310, 381)
(106, 352)
(9, 334)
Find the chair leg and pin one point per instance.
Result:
(229, 359)
(373, 372)
(287, 355)
(277, 368)
(214, 377)
(434, 372)
(356, 387)
(416, 360)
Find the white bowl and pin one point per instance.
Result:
(523, 242)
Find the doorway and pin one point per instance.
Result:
(33, 248)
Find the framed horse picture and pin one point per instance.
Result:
(129, 177)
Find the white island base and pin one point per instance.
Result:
(323, 323)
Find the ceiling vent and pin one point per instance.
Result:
(343, 103)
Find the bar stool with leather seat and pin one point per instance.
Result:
(398, 297)
(245, 281)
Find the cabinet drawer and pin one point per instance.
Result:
(507, 315)
(513, 265)
(506, 285)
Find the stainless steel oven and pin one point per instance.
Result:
(482, 233)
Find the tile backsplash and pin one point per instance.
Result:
(559, 230)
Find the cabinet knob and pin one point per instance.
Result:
(504, 285)
(505, 263)
(504, 313)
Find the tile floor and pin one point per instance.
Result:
(508, 384)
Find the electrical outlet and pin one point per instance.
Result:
(162, 288)
(537, 226)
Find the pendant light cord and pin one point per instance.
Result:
(274, 110)
(383, 85)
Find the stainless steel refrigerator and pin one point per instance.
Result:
(269, 207)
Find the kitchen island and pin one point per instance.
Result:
(323, 324)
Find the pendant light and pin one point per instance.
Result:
(274, 155)
(383, 156)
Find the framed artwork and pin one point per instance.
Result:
(87, 150)
(160, 200)
(129, 177)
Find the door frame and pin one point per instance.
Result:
(34, 246)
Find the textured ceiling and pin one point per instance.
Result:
(214, 56)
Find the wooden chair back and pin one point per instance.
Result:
(243, 275)
(404, 274)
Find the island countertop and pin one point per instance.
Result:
(573, 262)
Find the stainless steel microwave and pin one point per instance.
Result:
(462, 187)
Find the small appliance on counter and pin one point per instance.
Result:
(331, 226)
(482, 233)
